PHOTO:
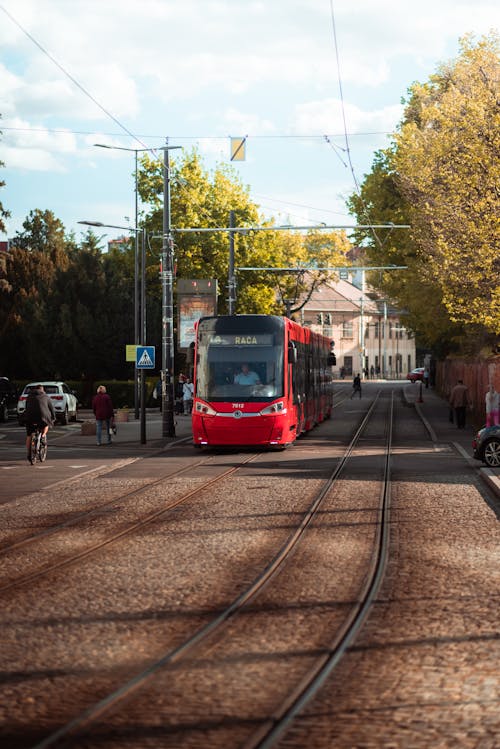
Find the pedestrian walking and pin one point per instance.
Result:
(102, 407)
(492, 401)
(179, 394)
(356, 386)
(459, 400)
(187, 396)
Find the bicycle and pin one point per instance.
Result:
(38, 446)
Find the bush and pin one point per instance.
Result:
(121, 392)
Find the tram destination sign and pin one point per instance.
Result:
(240, 339)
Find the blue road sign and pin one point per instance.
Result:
(145, 357)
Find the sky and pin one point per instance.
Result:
(315, 86)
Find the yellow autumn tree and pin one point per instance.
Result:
(447, 160)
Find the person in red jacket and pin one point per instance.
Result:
(102, 407)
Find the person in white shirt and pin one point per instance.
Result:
(247, 376)
(187, 396)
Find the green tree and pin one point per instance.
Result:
(203, 199)
(3, 213)
(447, 159)
(92, 310)
(441, 174)
(5, 285)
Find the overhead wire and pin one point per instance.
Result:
(344, 120)
(138, 139)
(71, 77)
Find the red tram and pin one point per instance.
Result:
(259, 380)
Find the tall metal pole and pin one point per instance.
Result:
(231, 265)
(167, 361)
(137, 312)
(362, 328)
(231, 279)
(384, 367)
(143, 336)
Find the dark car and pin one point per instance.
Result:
(486, 446)
(8, 398)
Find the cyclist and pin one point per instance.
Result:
(39, 412)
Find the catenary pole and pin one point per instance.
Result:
(167, 276)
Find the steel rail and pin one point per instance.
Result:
(146, 520)
(313, 680)
(91, 714)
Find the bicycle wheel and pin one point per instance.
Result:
(33, 446)
(42, 449)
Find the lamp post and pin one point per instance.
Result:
(137, 313)
(141, 327)
(167, 317)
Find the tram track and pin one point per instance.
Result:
(96, 511)
(277, 724)
(274, 725)
(27, 540)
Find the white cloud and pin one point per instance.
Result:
(32, 159)
(26, 146)
(325, 116)
(201, 70)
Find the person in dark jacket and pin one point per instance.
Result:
(39, 412)
(102, 407)
(459, 400)
(356, 386)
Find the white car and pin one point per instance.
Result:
(64, 400)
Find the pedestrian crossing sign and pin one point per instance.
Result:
(145, 357)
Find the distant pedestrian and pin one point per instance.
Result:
(342, 373)
(187, 396)
(426, 377)
(459, 400)
(179, 394)
(157, 393)
(372, 372)
(356, 386)
(102, 407)
(492, 400)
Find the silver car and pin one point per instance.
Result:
(63, 399)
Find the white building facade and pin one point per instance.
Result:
(370, 335)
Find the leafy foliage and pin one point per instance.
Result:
(202, 199)
(442, 175)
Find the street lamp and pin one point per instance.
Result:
(137, 334)
(142, 322)
(167, 317)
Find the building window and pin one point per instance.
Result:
(347, 329)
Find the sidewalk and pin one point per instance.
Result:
(127, 433)
(434, 411)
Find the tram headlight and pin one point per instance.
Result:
(273, 409)
(204, 409)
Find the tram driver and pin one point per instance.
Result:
(247, 376)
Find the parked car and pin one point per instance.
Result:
(415, 374)
(8, 398)
(486, 446)
(64, 400)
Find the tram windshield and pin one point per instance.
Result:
(247, 367)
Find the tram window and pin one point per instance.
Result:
(219, 366)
